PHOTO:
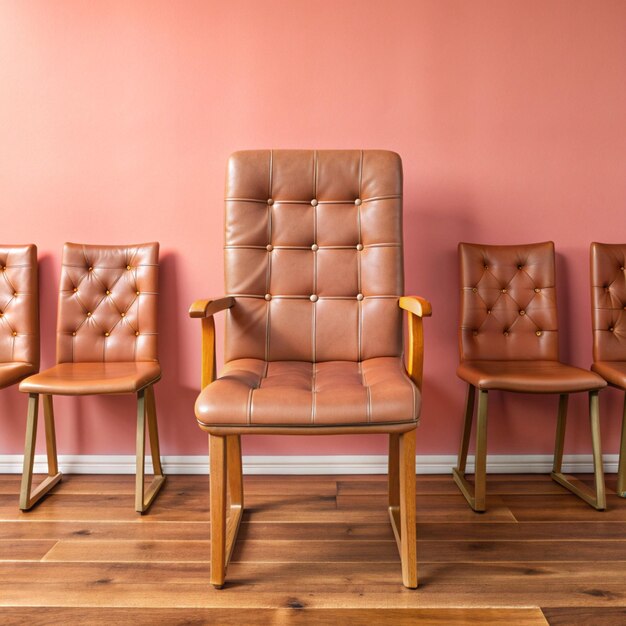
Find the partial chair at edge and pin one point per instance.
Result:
(608, 309)
(19, 314)
(106, 344)
(314, 275)
(508, 342)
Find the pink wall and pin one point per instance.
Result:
(117, 117)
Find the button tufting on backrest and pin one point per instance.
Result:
(334, 228)
(507, 294)
(19, 308)
(107, 303)
(608, 293)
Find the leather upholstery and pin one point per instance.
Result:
(107, 316)
(19, 313)
(78, 379)
(313, 260)
(297, 393)
(314, 255)
(608, 309)
(525, 376)
(508, 334)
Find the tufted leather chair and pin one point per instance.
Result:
(106, 344)
(19, 313)
(314, 282)
(508, 342)
(608, 309)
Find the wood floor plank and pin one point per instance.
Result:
(529, 508)
(25, 549)
(593, 616)
(332, 551)
(313, 576)
(262, 617)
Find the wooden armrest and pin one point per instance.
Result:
(418, 308)
(207, 308)
(416, 305)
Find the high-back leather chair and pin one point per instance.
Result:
(314, 277)
(508, 339)
(106, 344)
(608, 309)
(19, 313)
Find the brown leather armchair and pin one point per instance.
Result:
(106, 344)
(608, 309)
(19, 314)
(314, 278)
(508, 342)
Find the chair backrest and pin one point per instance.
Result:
(313, 255)
(19, 305)
(608, 301)
(508, 303)
(108, 303)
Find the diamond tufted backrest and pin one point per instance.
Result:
(313, 254)
(108, 303)
(508, 302)
(608, 301)
(19, 305)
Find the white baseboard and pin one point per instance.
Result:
(335, 464)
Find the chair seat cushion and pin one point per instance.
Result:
(614, 372)
(80, 379)
(14, 371)
(254, 392)
(529, 376)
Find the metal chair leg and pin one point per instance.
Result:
(146, 411)
(28, 499)
(475, 495)
(621, 472)
(596, 499)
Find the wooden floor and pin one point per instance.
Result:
(312, 550)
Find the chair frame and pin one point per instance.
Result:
(146, 412)
(226, 479)
(476, 494)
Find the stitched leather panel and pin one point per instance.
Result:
(313, 255)
(508, 302)
(108, 303)
(255, 392)
(19, 312)
(608, 301)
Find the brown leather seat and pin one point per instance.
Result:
(106, 344)
(314, 278)
(19, 313)
(508, 341)
(608, 309)
(528, 376)
(251, 392)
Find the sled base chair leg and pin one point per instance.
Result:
(28, 497)
(474, 494)
(146, 411)
(596, 499)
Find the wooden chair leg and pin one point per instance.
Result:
(235, 492)
(475, 495)
(621, 472)
(402, 502)
(559, 443)
(28, 499)
(393, 475)
(218, 471)
(146, 411)
(596, 499)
